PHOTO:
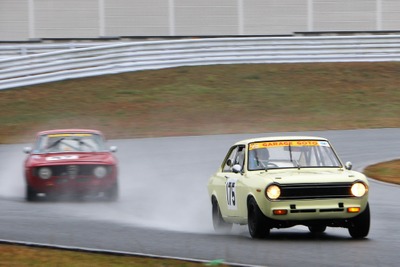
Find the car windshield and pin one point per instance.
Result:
(69, 142)
(291, 154)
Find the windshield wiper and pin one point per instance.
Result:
(55, 143)
(295, 162)
(81, 142)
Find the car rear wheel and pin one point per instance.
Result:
(220, 226)
(257, 222)
(359, 226)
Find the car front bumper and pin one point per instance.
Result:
(314, 209)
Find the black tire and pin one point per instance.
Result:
(257, 222)
(220, 226)
(112, 194)
(31, 194)
(359, 226)
(317, 229)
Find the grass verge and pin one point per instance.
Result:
(26, 256)
(388, 171)
(219, 99)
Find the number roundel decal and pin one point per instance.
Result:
(231, 193)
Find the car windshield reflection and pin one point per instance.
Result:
(69, 142)
(291, 154)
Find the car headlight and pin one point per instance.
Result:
(273, 191)
(359, 189)
(44, 173)
(100, 171)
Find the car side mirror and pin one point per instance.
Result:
(113, 148)
(27, 150)
(348, 165)
(229, 162)
(236, 168)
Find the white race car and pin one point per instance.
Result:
(280, 182)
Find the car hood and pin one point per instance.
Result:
(295, 176)
(70, 158)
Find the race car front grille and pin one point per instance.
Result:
(315, 191)
(74, 170)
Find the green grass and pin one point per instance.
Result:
(388, 171)
(25, 256)
(217, 99)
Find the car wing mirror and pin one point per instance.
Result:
(348, 165)
(229, 162)
(27, 150)
(236, 168)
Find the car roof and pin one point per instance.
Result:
(279, 138)
(55, 131)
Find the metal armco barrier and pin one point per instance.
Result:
(135, 56)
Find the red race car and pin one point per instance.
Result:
(73, 163)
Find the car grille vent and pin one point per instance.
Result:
(314, 210)
(316, 191)
(331, 210)
(73, 170)
(303, 211)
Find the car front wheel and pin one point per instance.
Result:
(112, 194)
(31, 194)
(317, 229)
(359, 226)
(257, 222)
(220, 226)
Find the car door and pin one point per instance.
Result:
(230, 180)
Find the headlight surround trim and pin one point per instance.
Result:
(44, 173)
(359, 189)
(100, 171)
(273, 191)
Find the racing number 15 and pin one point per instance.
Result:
(231, 193)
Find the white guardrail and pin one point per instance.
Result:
(135, 56)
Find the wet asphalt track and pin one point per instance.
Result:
(164, 208)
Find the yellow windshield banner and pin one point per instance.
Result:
(69, 134)
(287, 143)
